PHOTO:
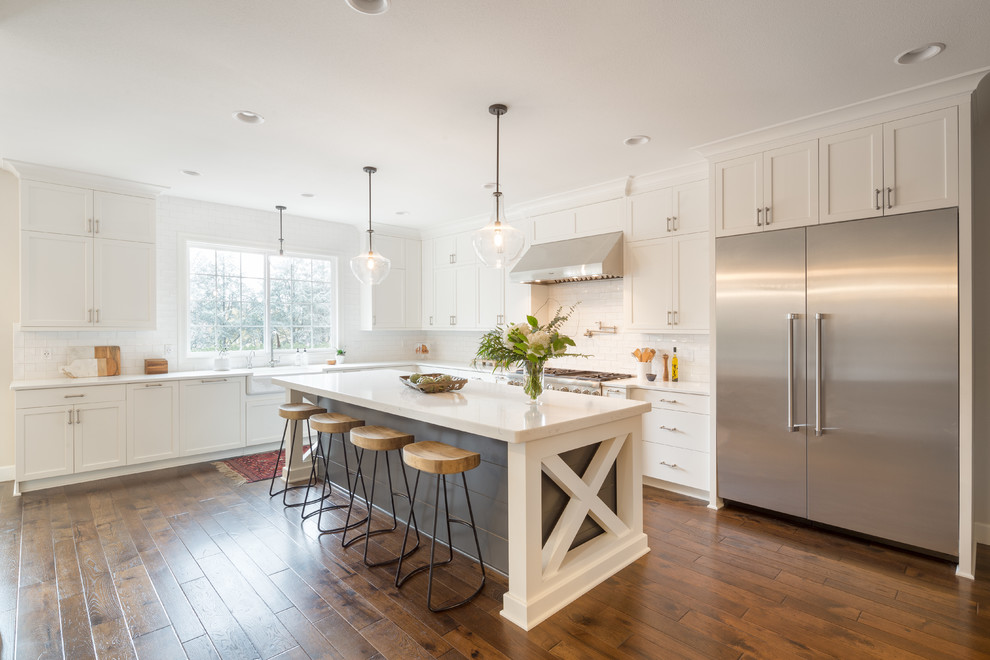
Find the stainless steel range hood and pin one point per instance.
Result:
(574, 260)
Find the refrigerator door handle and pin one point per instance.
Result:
(790, 372)
(818, 374)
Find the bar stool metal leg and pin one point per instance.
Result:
(401, 579)
(329, 489)
(369, 501)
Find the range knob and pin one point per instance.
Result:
(564, 389)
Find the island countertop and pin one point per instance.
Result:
(488, 409)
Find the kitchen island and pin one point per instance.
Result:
(587, 447)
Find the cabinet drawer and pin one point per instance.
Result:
(679, 466)
(58, 396)
(696, 403)
(680, 429)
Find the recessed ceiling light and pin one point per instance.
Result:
(190, 172)
(249, 117)
(368, 6)
(402, 212)
(307, 195)
(920, 54)
(489, 186)
(636, 140)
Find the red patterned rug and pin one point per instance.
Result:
(249, 469)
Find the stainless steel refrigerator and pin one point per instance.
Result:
(837, 371)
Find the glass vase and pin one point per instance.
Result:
(533, 379)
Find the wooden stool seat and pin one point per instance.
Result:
(439, 458)
(379, 438)
(334, 422)
(299, 411)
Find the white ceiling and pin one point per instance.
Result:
(141, 89)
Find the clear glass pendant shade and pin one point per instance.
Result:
(370, 267)
(498, 244)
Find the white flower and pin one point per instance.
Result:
(540, 338)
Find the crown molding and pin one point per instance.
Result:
(36, 172)
(940, 90)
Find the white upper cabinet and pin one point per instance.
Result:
(124, 301)
(56, 209)
(739, 195)
(921, 162)
(123, 217)
(682, 209)
(56, 280)
(88, 255)
(851, 174)
(770, 190)
(453, 250)
(587, 220)
(666, 284)
(902, 166)
(491, 297)
(790, 186)
(395, 302)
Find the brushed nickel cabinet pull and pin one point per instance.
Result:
(672, 429)
(154, 385)
(89, 225)
(668, 224)
(766, 215)
(670, 465)
(96, 224)
(759, 217)
(74, 396)
(677, 225)
(214, 380)
(890, 198)
(69, 420)
(78, 419)
(876, 199)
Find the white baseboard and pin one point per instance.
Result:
(6, 472)
(982, 533)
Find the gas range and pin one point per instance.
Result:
(571, 380)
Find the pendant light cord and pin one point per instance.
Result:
(498, 142)
(370, 230)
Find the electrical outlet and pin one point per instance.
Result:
(46, 354)
(168, 349)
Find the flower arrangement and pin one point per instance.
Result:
(529, 345)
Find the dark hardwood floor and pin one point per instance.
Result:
(185, 563)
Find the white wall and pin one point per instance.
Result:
(9, 312)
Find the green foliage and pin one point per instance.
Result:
(521, 343)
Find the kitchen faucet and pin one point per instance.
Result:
(275, 343)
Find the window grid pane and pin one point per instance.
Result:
(227, 301)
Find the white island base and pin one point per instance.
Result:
(543, 576)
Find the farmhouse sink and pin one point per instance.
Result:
(259, 381)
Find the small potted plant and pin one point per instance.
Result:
(341, 352)
(222, 362)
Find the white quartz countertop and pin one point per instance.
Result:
(487, 409)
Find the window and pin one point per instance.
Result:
(239, 298)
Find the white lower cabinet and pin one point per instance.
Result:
(263, 423)
(212, 415)
(676, 437)
(68, 430)
(152, 422)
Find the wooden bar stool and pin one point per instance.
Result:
(381, 440)
(331, 423)
(295, 413)
(441, 459)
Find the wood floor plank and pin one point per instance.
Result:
(304, 600)
(118, 547)
(392, 642)
(101, 595)
(180, 612)
(275, 598)
(227, 636)
(77, 638)
(308, 637)
(10, 559)
(180, 561)
(197, 541)
(37, 563)
(143, 612)
(39, 631)
(161, 644)
(263, 628)
(8, 628)
(200, 648)
(112, 640)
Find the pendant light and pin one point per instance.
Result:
(498, 244)
(280, 208)
(369, 267)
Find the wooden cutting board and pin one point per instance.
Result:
(112, 356)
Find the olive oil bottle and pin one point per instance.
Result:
(674, 371)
